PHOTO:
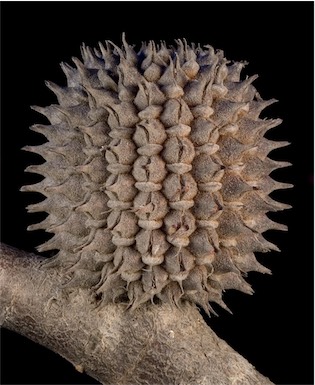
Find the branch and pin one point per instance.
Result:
(155, 344)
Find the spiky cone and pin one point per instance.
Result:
(156, 175)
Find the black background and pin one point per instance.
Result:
(274, 328)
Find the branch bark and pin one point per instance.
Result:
(156, 344)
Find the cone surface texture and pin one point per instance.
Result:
(156, 174)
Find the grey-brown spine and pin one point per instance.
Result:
(156, 174)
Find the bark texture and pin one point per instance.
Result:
(155, 344)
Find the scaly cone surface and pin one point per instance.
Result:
(156, 174)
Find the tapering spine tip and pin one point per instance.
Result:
(27, 188)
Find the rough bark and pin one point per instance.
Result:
(155, 344)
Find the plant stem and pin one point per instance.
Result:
(155, 344)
